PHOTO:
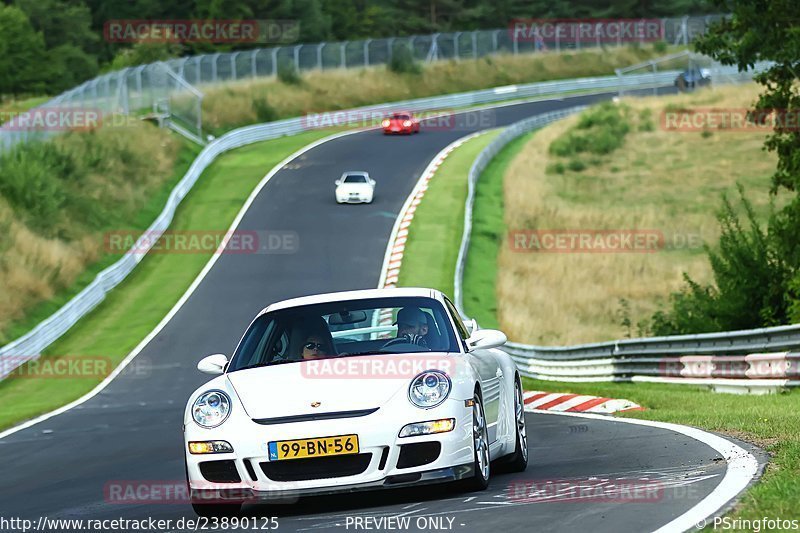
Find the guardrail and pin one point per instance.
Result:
(757, 360)
(30, 345)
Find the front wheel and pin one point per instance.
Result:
(480, 445)
(518, 461)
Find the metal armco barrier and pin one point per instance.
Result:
(30, 345)
(755, 361)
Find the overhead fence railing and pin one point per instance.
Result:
(758, 360)
(31, 345)
(174, 87)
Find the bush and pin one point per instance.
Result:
(288, 74)
(264, 111)
(646, 120)
(576, 165)
(660, 47)
(600, 131)
(751, 279)
(556, 168)
(402, 61)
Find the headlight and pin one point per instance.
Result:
(407, 123)
(429, 389)
(211, 409)
(386, 123)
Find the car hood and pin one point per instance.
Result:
(338, 384)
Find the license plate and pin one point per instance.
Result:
(317, 447)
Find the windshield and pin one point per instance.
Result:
(399, 116)
(355, 178)
(358, 327)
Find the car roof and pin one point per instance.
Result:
(354, 295)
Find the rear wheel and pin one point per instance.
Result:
(480, 445)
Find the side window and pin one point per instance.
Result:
(462, 329)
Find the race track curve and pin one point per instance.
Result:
(131, 431)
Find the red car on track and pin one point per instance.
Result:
(400, 122)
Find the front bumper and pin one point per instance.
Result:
(255, 477)
(248, 495)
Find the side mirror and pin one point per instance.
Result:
(472, 326)
(338, 182)
(486, 338)
(213, 364)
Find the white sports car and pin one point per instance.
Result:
(352, 391)
(355, 188)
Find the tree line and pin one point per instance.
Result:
(48, 46)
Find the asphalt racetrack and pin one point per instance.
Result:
(66, 466)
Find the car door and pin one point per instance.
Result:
(489, 372)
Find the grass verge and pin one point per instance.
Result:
(246, 102)
(136, 306)
(488, 236)
(771, 422)
(435, 235)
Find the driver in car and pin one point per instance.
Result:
(411, 327)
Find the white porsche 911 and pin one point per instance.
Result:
(352, 391)
(355, 188)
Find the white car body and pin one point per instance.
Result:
(280, 403)
(355, 188)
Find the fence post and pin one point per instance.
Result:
(515, 42)
(253, 67)
(494, 40)
(475, 44)
(233, 64)
(366, 52)
(297, 57)
(343, 54)
(456, 51)
(214, 60)
(558, 38)
(320, 46)
(390, 44)
(411, 44)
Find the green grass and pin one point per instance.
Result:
(430, 254)
(488, 235)
(142, 221)
(770, 421)
(136, 306)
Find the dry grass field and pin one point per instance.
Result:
(235, 104)
(666, 182)
(57, 198)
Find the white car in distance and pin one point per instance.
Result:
(355, 187)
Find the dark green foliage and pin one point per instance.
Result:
(264, 111)
(402, 61)
(751, 279)
(287, 73)
(600, 130)
(756, 272)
